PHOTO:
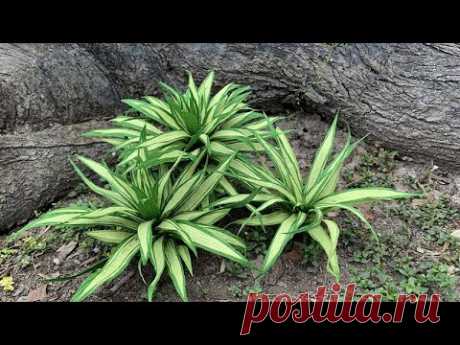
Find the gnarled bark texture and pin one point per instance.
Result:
(404, 95)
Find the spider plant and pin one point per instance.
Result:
(187, 122)
(302, 205)
(157, 216)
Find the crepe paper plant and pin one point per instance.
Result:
(157, 216)
(187, 122)
(302, 205)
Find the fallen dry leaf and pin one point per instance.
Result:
(417, 202)
(420, 250)
(50, 276)
(445, 247)
(433, 196)
(456, 234)
(367, 212)
(65, 250)
(452, 269)
(44, 230)
(295, 255)
(37, 294)
(222, 267)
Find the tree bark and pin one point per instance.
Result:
(405, 96)
(35, 169)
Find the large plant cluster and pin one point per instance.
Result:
(185, 161)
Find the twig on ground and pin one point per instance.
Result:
(121, 282)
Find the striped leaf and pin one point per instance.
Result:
(206, 187)
(176, 229)
(356, 213)
(114, 197)
(282, 168)
(213, 216)
(231, 134)
(242, 119)
(175, 270)
(165, 183)
(217, 148)
(357, 196)
(55, 217)
(290, 160)
(158, 142)
(328, 241)
(329, 174)
(117, 263)
(247, 168)
(190, 169)
(206, 85)
(157, 103)
(160, 158)
(192, 87)
(112, 133)
(112, 141)
(281, 238)
(117, 183)
(190, 216)
(136, 123)
(331, 184)
(164, 139)
(209, 242)
(273, 218)
(154, 112)
(322, 155)
(234, 201)
(271, 186)
(103, 221)
(245, 147)
(159, 263)
(109, 236)
(185, 256)
(114, 210)
(145, 236)
(224, 235)
(262, 124)
(182, 194)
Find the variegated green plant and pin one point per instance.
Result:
(302, 205)
(159, 215)
(187, 122)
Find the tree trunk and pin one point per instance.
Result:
(404, 95)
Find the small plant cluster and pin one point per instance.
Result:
(185, 161)
(412, 274)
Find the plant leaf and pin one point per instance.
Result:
(329, 243)
(182, 194)
(213, 216)
(145, 236)
(361, 195)
(206, 240)
(273, 218)
(282, 237)
(109, 236)
(225, 236)
(159, 263)
(185, 256)
(355, 212)
(175, 269)
(322, 155)
(206, 187)
(50, 218)
(116, 264)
